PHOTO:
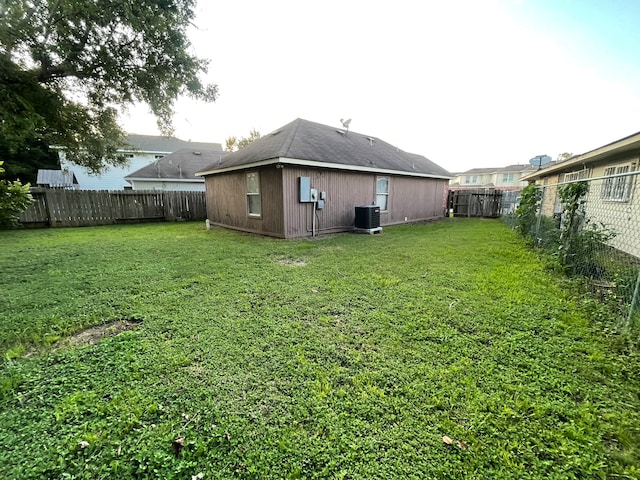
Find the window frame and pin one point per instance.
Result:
(383, 194)
(250, 194)
(617, 188)
(508, 177)
(575, 176)
(470, 179)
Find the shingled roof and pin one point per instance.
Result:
(508, 168)
(182, 164)
(158, 144)
(302, 142)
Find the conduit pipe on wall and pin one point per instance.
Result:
(313, 220)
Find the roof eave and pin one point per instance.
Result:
(318, 164)
(600, 153)
(164, 179)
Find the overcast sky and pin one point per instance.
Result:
(466, 83)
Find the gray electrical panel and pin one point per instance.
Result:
(305, 189)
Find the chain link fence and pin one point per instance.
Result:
(592, 227)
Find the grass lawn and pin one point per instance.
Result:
(343, 357)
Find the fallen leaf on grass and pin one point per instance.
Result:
(447, 440)
(462, 445)
(177, 445)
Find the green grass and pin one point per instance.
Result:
(342, 357)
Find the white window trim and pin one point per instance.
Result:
(258, 194)
(617, 188)
(575, 176)
(388, 179)
(508, 177)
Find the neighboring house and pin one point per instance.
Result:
(56, 179)
(176, 171)
(506, 179)
(270, 186)
(143, 150)
(613, 198)
(500, 178)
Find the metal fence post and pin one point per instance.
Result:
(540, 213)
(634, 301)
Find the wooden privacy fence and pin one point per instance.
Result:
(475, 203)
(76, 208)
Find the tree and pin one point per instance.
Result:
(564, 156)
(233, 143)
(67, 65)
(25, 163)
(14, 198)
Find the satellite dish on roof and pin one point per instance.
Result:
(345, 123)
(540, 160)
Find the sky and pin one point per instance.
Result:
(466, 83)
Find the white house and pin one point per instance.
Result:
(144, 150)
(499, 178)
(613, 200)
(176, 171)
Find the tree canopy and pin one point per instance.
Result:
(66, 66)
(234, 143)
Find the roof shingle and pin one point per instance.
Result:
(182, 164)
(310, 141)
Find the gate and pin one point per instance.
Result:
(475, 203)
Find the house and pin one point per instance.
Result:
(307, 178)
(506, 179)
(613, 199)
(56, 179)
(500, 178)
(176, 171)
(142, 151)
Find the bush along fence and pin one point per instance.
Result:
(592, 228)
(75, 208)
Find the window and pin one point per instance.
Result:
(507, 177)
(616, 188)
(382, 193)
(254, 205)
(575, 176)
(471, 179)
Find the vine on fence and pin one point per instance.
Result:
(579, 238)
(581, 246)
(527, 210)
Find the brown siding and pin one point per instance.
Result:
(345, 190)
(416, 199)
(283, 215)
(413, 198)
(227, 201)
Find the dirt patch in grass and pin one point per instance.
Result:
(290, 262)
(93, 335)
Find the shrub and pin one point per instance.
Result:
(14, 198)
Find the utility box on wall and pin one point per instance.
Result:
(305, 189)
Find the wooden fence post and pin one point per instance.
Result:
(48, 202)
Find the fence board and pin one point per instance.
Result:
(475, 203)
(70, 208)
